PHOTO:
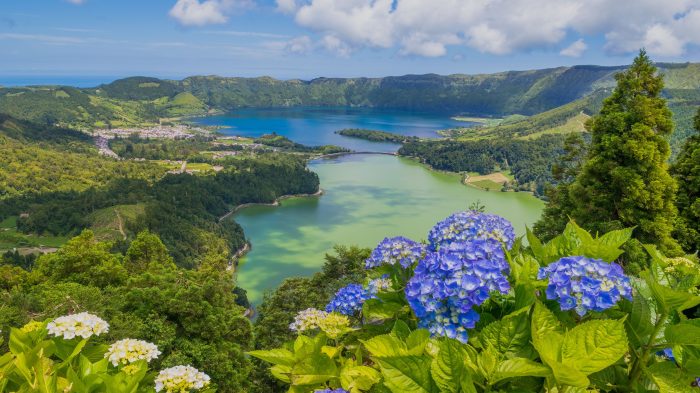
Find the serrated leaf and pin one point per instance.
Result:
(639, 324)
(401, 329)
(385, 345)
(670, 299)
(616, 238)
(519, 367)
(378, 310)
(546, 332)
(281, 372)
(594, 345)
(417, 340)
(535, 244)
(448, 367)
(407, 374)
(509, 335)
(358, 378)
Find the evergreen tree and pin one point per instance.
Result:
(625, 180)
(686, 170)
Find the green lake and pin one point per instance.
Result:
(366, 198)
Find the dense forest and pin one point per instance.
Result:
(530, 162)
(376, 136)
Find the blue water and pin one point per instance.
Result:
(317, 126)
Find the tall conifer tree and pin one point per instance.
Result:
(625, 180)
(686, 170)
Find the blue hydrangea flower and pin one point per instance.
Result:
(339, 390)
(449, 283)
(349, 299)
(471, 225)
(395, 250)
(585, 284)
(667, 353)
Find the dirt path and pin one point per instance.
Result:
(120, 223)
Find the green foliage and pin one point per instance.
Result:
(530, 162)
(686, 171)
(375, 136)
(625, 180)
(286, 144)
(191, 315)
(37, 362)
(527, 344)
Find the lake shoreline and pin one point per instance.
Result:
(276, 202)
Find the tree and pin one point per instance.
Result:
(625, 180)
(686, 170)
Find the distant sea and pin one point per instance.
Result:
(75, 81)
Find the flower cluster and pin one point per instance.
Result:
(377, 285)
(77, 325)
(129, 350)
(396, 250)
(307, 320)
(339, 390)
(449, 283)
(181, 379)
(349, 299)
(585, 284)
(334, 325)
(470, 225)
(32, 326)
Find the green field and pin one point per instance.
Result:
(109, 223)
(10, 238)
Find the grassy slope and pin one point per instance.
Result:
(109, 223)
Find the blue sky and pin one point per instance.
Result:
(335, 38)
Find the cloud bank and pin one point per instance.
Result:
(428, 28)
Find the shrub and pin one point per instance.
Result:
(475, 311)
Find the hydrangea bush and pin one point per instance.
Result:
(474, 310)
(58, 356)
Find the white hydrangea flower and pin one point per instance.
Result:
(307, 319)
(181, 379)
(130, 350)
(377, 285)
(82, 325)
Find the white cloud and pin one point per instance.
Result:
(299, 45)
(206, 12)
(287, 6)
(576, 49)
(333, 44)
(429, 28)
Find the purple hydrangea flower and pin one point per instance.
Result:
(471, 225)
(449, 283)
(349, 299)
(395, 250)
(585, 284)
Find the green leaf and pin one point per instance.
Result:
(377, 310)
(670, 299)
(316, 369)
(417, 340)
(639, 324)
(384, 346)
(448, 368)
(519, 367)
(546, 332)
(283, 373)
(566, 375)
(358, 378)
(509, 335)
(594, 345)
(401, 329)
(683, 334)
(407, 374)
(275, 356)
(535, 244)
(616, 238)
(671, 379)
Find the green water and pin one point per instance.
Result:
(366, 198)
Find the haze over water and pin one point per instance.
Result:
(366, 198)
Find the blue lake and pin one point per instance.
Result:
(317, 126)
